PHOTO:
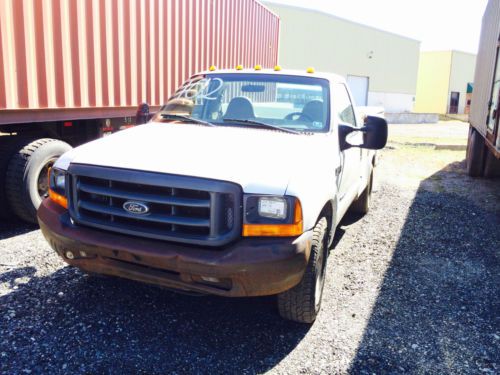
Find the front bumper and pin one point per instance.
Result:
(248, 267)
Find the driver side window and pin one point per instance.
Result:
(343, 107)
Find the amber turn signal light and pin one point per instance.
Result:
(58, 198)
(277, 230)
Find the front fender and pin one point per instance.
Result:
(314, 190)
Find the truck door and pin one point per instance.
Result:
(349, 174)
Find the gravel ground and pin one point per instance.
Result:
(412, 287)
(441, 133)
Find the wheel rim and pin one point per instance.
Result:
(320, 277)
(43, 179)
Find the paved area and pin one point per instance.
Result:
(412, 287)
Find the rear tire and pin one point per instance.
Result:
(475, 153)
(362, 204)
(491, 165)
(303, 302)
(26, 180)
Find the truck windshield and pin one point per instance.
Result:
(290, 102)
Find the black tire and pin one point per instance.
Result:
(491, 165)
(26, 183)
(362, 204)
(8, 146)
(303, 302)
(475, 153)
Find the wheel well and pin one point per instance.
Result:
(328, 211)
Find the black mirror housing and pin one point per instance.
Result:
(375, 133)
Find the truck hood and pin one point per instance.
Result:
(261, 161)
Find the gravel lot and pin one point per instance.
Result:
(412, 287)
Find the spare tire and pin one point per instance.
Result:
(26, 180)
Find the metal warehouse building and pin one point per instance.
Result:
(445, 82)
(381, 67)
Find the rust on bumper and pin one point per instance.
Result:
(248, 267)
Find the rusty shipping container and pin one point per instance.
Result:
(483, 149)
(75, 70)
(80, 59)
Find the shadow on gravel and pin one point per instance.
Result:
(14, 227)
(84, 324)
(437, 310)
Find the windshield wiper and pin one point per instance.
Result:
(183, 118)
(261, 125)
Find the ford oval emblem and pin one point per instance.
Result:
(136, 208)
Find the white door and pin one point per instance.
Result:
(349, 177)
(359, 89)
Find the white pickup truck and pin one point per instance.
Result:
(234, 188)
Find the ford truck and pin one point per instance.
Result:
(234, 188)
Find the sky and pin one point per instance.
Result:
(438, 24)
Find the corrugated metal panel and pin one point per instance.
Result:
(96, 54)
(485, 66)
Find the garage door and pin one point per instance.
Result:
(359, 88)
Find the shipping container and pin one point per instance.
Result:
(483, 149)
(73, 69)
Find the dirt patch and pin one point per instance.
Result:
(417, 158)
(441, 133)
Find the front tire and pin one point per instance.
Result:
(303, 302)
(26, 181)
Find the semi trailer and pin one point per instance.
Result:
(483, 149)
(75, 71)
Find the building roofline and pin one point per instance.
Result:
(262, 4)
(270, 2)
(450, 50)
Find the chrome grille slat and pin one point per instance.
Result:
(117, 193)
(181, 208)
(115, 211)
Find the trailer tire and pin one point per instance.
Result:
(475, 153)
(491, 165)
(8, 145)
(26, 175)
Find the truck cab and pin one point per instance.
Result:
(234, 188)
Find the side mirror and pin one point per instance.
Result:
(375, 133)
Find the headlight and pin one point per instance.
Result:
(60, 182)
(272, 207)
(268, 215)
(57, 186)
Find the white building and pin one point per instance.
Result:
(381, 67)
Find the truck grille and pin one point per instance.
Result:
(179, 208)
